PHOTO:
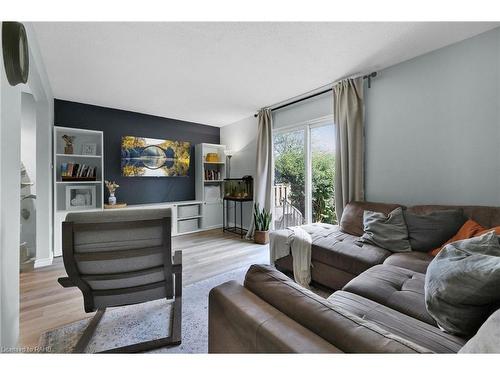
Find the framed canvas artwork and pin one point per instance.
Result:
(150, 157)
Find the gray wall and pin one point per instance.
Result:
(116, 123)
(433, 128)
(241, 138)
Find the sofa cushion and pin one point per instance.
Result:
(241, 322)
(346, 331)
(486, 216)
(352, 216)
(487, 339)
(468, 230)
(344, 253)
(386, 231)
(415, 261)
(321, 273)
(393, 321)
(461, 284)
(394, 287)
(335, 248)
(427, 231)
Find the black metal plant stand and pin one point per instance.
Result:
(235, 228)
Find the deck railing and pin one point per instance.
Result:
(290, 215)
(280, 194)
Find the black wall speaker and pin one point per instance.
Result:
(15, 52)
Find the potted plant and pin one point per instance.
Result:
(262, 219)
(112, 186)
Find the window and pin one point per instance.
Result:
(322, 173)
(304, 161)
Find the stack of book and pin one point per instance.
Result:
(74, 172)
(211, 175)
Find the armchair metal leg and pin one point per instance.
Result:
(88, 332)
(175, 326)
(172, 340)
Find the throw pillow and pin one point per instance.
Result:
(496, 229)
(386, 231)
(461, 284)
(426, 232)
(468, 230)
(487, 339)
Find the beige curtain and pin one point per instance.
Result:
(349, 148)
(264, 175)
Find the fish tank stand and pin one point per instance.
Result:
(235, 228)
(236, 190)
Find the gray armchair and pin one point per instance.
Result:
(123, 257)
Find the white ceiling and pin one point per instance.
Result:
(219, 73)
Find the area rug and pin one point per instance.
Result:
(131, 324)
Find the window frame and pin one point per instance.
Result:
(306, 127)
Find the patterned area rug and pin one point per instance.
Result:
(131, 324)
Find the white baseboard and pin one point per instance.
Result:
(43, 262)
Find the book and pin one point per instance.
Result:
(77, 170)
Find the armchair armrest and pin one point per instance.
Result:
(65, 282)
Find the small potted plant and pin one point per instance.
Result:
(262, 219)
(112, 186)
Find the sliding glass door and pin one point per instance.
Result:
(304, 172)
(289, 178)
(322, 173)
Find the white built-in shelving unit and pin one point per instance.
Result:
(210, 191)
(187, 217)
(81, 137)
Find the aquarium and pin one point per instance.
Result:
(241, 188)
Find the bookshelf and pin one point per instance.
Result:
(210, 177)
(84, 189)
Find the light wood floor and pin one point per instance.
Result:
(46, 305)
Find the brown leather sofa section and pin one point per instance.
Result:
(321, 273)
(415, 261)
(241, 322)
(352, 217)
(342, 258)
(485, 215)
(380, 311)
(421, 333)
(398, 288)
(344, 330)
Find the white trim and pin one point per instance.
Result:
(314, 122)
(44, 262)
(308, 174)
(78, 130)
(305, 127)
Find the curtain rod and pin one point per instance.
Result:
(368, 77)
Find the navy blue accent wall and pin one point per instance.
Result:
(116, 123)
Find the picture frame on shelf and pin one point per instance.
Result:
(80, 197)
(89, 149)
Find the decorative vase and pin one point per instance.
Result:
(112, 199)
(68, 150)
(261, 237)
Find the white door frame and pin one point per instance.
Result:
(306, 127)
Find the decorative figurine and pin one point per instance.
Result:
(68, 139)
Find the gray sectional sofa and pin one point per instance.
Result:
(378, 305)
